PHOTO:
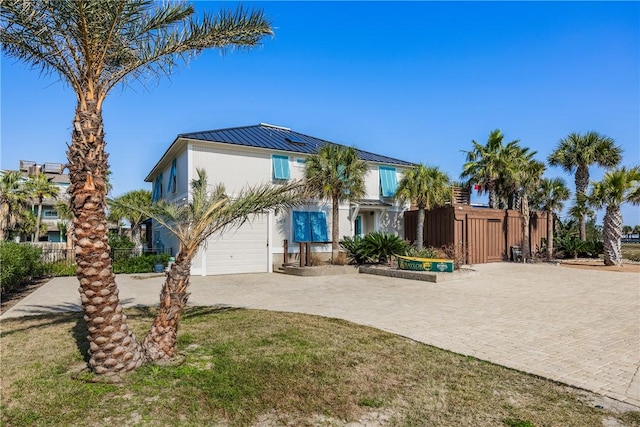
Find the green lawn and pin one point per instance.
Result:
(631, 251)
(246, 367)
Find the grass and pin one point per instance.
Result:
(631, 251)
(246, 367)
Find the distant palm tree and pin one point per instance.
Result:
(94, 45)
(636, 229)
(485, 164)
(118, 211)
(40, 188)
(618, 186)
(64, 213)
(427, 187)
(335, 173)
(13, 201)
(627, 229)
(206, 213)
(576, 153)
(550, 196)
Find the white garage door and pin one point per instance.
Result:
(241, 250)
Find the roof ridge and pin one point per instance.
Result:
(218, 130)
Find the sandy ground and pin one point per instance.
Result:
(598, 265)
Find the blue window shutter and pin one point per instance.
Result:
(157, 189)
(318, 222)
(301, 227)
(388, 181)
(281, 167)
(172, 177)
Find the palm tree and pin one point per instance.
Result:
(627, 229)
(40, 187)
(526, 175)
(427, 187)
(118, 211)
(13, 201)
(551, 195)
(64, 213)
(206, 213)
(335, 173)
(636, 229)
(576, 153)
(486, 163)
(94, 45)
(618, 186)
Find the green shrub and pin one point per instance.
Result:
(592, 248)
(19, 263)
(140, 264)
(118, 241)
(569, 246)
(429, 252)
(381, 246)
(60, 269)
(356, 251)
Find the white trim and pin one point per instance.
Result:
(269, 242)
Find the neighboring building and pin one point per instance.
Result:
(253, 155)
(55, 173)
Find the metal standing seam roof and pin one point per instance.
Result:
(279, 138)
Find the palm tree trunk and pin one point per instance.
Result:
(135, 236)
(113, 347)
(526, 245)
(160, 343)
(420, 228)
(36, 237)
(549, 235)
(335, 228)
(493, 196)
(582, 184)
(612, 234)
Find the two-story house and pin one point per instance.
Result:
(254, 155)
(50, 216)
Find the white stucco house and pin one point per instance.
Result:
(253, 155)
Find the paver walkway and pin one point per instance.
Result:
(578, 327)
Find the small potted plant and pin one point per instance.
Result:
(158, 266)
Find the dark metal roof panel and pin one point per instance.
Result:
(275, 138)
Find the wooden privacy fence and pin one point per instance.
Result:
(479, 235)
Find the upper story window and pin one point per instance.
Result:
(49, 214)
(388, 181)
(173, 179)
(157, 189)
(281, 167)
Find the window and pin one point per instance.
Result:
(157, 189)
(310, 227)
(172, 178)
(388, 181)
(281, 167)
(49, 214)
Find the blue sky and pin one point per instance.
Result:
(412, 80)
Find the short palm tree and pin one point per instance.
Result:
(550, 197)
(206, 213)
(94, 45)
(636, 229)
(576, 153)
(118, 211)
(627, 229)
(40, 188)
(485, 164)
(337, 174)
(13, 201)
(427, 187)
(618, 186)
(64, 213)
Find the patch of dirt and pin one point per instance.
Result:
(10, 299)
(598, 264)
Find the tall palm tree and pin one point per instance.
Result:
(118, 211)
(526, 175)
(335, 173)
(427, 187)
(618, 186)
(13, 201)
(94, 45)
(576, 153)
(486, 163)
(550, 196)
(40, 188)
(209, 211)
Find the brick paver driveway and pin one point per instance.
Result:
(578, 327)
